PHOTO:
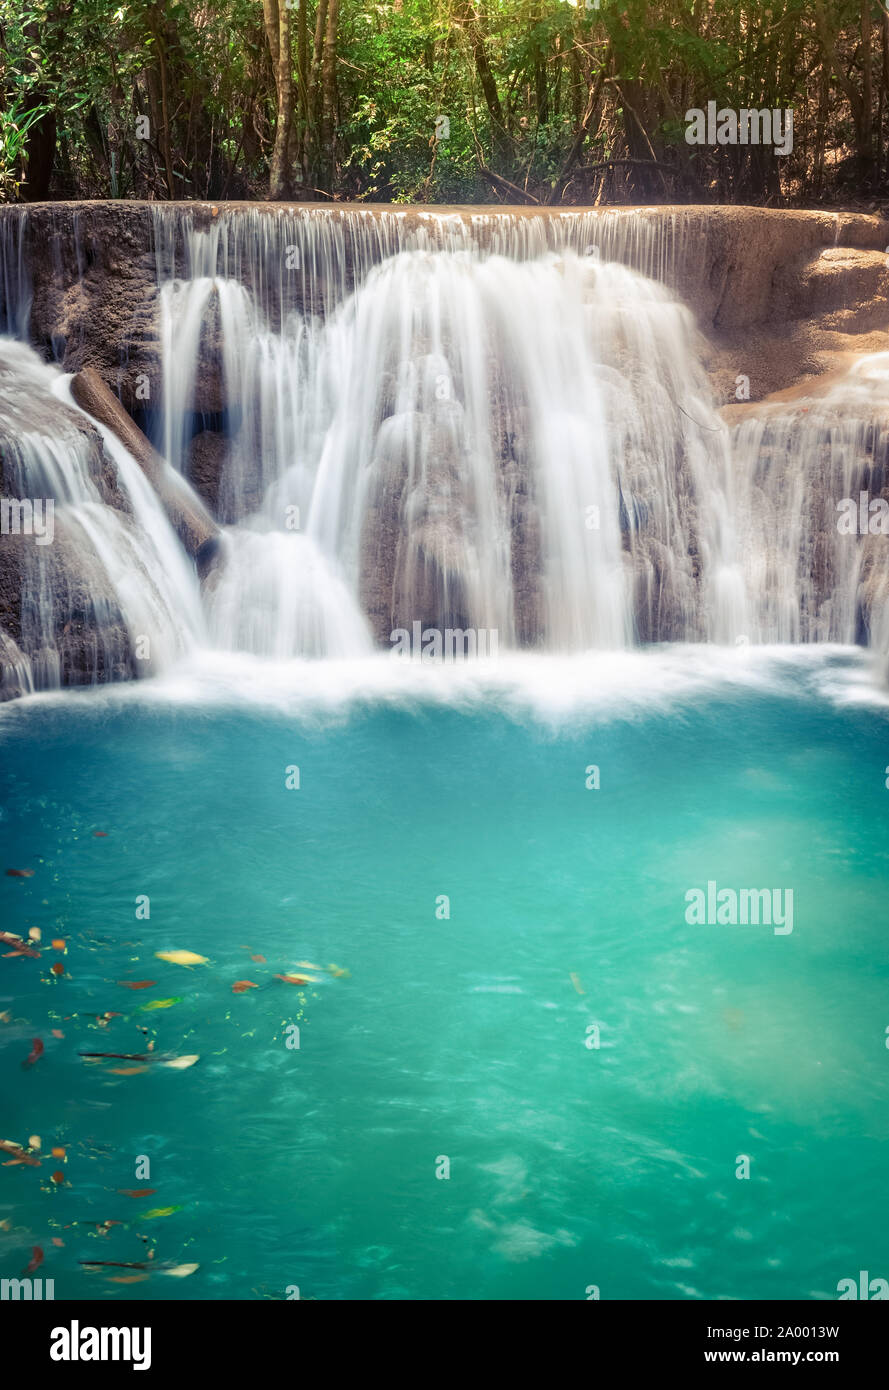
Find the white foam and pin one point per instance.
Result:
(557, 691)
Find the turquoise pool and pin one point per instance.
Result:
(462, 1037)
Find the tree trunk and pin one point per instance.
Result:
(302, 63)
(40, 148)
(328, 96)
(472, 19)
(867, 95)
(313, 139)
(277, 26)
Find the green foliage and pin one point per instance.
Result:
(14, 125)
(513, 78)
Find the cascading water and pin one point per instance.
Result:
(810, 577)
(480, 421)
(109, 584)
(517, 443)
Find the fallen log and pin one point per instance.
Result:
(189, 518)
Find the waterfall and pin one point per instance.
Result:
(107, 591)
(515, 438)
(15, 288)
(810, 577)
(485, 421)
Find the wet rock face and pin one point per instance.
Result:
(61, 622)
(209, 454)
(93, 279)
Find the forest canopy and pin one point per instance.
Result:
(439, 101)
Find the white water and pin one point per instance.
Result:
(810, 581)
(128, 570)
(479, 441)
(494, 423)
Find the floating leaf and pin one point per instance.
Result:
(126, 1071)
(159, 1004)
(100, 834)
(36, 1259)
(307, 965)
(58, 1153)
(20, 873)
(182, 957)
(137, 1191)
(21, 948)
(160, 1211)
(180, 1271)
(34, 933)
(57, 968)
(36, 1051)
(179, 1063)
(34, 1142)
(241, 986)
(127, 1278)
(58, 1177)
(57, 1033)
(296, 979)
(20, 1155)
(59, 944)
(259, 959)
(56, 1240)
(137, 984)
(338, 972)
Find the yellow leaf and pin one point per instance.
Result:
(182, 957)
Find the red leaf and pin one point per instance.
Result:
(36, 1259)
